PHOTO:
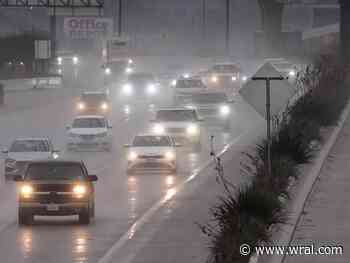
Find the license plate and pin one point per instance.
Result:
(152, 160)
(52, 207)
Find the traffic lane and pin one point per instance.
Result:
(119, 200)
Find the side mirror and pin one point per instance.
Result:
(92, 178)
(18, 178)
(127, 145)
(67, 127)
(5, 151)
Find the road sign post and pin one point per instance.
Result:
(268, 119)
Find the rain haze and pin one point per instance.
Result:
(166, 131)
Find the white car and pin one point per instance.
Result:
(150, 151)
(181, 123)
(141, 85)
(187, 87)
(24, 150)
(214, 106)
(90, 131)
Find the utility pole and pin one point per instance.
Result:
(268, 118)
(120, 18)
(204, 20)
(53, 29)
(227, 34)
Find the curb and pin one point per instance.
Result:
(297, 207)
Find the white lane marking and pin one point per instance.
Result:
(108, 257)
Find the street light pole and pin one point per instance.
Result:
(120, 18)
(268, 118)
(227, 35)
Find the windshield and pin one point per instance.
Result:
(46, 171)
(189, 83)
(29, 146)
(89, 123)
(207, 98)
(94, 98)
(176, 115)
(157, 141)
(141, 77)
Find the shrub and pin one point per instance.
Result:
(241, 219)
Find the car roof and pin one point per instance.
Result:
(94, 93)
(151, 134)
(61, 161)
(175, 109)
(89, 117)
(32, 139)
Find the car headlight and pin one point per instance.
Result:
(26, 191)
(127, 89)
(192, 129)
(244, 78)
(132, 156)
(75, 60)
(79, 191)
(59, 60)
(158, 129)
(104, 106)
(170, 156)
(214, 79)
(234, 78)
(151, 89)
(81, 106)
(103, 134)
(224, 110)
(128, 70)
(173, 83)
(292, 73)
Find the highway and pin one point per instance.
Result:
(120, 199)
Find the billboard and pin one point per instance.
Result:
(88, 27)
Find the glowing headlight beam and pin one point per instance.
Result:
(81, 106)
(192, 130)
(27, 191)
(132, 156)
(158, 129)
(225, 110)
(127, 89)
(169, 155)
(79, 191)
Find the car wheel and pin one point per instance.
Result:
(92, 209)
(25, 217)
(84, 216)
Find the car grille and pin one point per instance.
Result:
(87, 137)
(53, 187)
(52, 197)
(176, 130)
(151, 156)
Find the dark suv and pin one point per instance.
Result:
(56, 187)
